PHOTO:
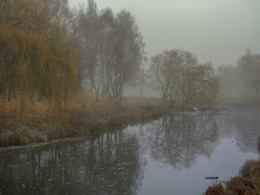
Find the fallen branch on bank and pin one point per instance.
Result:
(210, 110)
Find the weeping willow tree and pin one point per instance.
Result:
(35, 54)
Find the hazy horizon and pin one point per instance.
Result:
(217, 31)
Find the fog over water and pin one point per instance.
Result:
(218, 31)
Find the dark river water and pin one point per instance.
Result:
(172, 155)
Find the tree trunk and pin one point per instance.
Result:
(40, 97)
(32, 93)
(97, 97)
(9, 96)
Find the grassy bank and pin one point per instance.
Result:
(248, 182)
(85, 116)
(249, 99)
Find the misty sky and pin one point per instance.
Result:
(215, 30)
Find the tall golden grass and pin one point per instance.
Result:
(84, 115)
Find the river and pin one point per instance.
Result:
(172, 155)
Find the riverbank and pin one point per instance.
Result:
(248, 181)
(85, 116)
(253, 99)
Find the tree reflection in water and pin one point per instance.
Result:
(110, 164)
(246, 126)
(182, 137)
(243, 125)
(114, 163)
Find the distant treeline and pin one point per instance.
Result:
(243, 79)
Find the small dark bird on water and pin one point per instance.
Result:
(212, 178)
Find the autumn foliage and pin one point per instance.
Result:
(35, 55)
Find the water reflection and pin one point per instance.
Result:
(179, 139)
(243, 125)
(125, 162)
(247, 127)
(110, 164)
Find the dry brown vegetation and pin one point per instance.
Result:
(251, 169)
(41, 124)
(215, 190)
(246, 99)
(247, 183)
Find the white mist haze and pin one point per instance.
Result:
(218, 31)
